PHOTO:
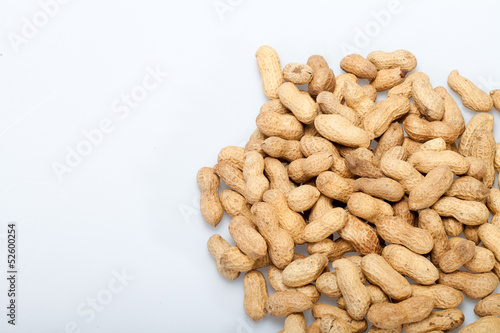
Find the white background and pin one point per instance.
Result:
(131, 204)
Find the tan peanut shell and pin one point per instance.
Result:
(452, 113)
(210, 206)
(277, 175)
(312, 145)
(359, 66)
(334, 186)
(412, 146)
(497, 157)
(445, 320)
(490, 324)
(384, 113)
(488, 306)
(302, 106)
(482, 262)
(356, 99)
(391, 138)
(354, 292)
(376, 296)
(329, 104)
(470, 232)
(297, 73)
(327, 285)
(284, 303)
(405, 88)
(339, 86)
(256, 295)
(428, 102)
(231, 176)
(477, 168)
(280, 148)
(320, 310)
(429, 219)
(275, 278)
(268, 63)
(445, 297)
(304, 271)
(362, 167)
(302, 198)
(217, 246)
(374, 329)
(378, 271)
(461, 251)
(340, 130)
(490, 236)
(393, 230)
(436, 145)
(321, 228)
(472, 97)
(402, 210)
(362, 236)
(232, 154)
(483, 146)
(320, 208)
(285, 126)
(452, 226)
(247, 238)
(465, 211)
(295, 323)
(431, 188)
(370, 91)
(410, 264)
(400, 171)
(493, 201)
(389, 315)
(332, 249)
(316, 62)
(303, 169)
(330, 324)
(253, 173)
(235, 260)
(274, 105)
(235, 204)
(425, 161)
(387, 60)
(323, 80)
(367, 207)
(468, 188)
(255, 141)
(279, 242)
(473, 285)
(479, 122)
(423, 130)
(388, 78)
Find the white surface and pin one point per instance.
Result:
(132, 202)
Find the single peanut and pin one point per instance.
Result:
(253, 173)
(445, 297)
(295, 323)
(490, 324)
(326, 225)
(327, 285)
(422, 130)
(490, 236)
(301, 105)
(254, 142)
(483, 146)
(356, 99)
(320, 310)
(359, 66)
(247, 238)
(428, 102)
(488, 306)
(332, 249)
(210, 206)
(362, 236)
(472, 97)
(334, 186)
(388, 78)
(367, 207)
(297, 73)
(285, 126)
(452, 113)
(477, 168)
(445, 320)
(340, 130)
(339, 86)
(302, 198)
(431, 188)
(429, 219)
(256, 295)
(304, 271)
(235, 204)
(232, 154)
(400, 171)
(425, 161)
(452, 226)
(465, 211)
(231, 176)
(411, 310)
(284, 303)
(479, 122)
(269, 66)
(217, 246)
(473, 285)
(387, 60)
(402, 210)
(277, 175)
(460, 252)
(323, 80)
(329, 104)
(280, 148)
(362, 167)
(303, 169)
(405, 88)
(392, 137)
(468, 188)
(384, 113)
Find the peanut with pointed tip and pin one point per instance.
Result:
(384, 113)
(210, 206)
(405, 88)
(280, 148)
(479, 122)
(461, 251)
(289, 220)
(329, 223)
(217, 246)
(359, 66)
(354, 292)
(255, 181)
(323, 80)
(431, 188)
(488, 306)
(284, 303)
(411, 310)
(279, 242)
(304, 271)
(388, 78)
(387, 60)
(428, 102)
(472, 97)
(334, 186)
(490, 236)
(302, 106)
(329, 104)
(429, 219)
(401, 171)
(247, 238)
(277, 175)
(332, 249)
(425, 161)
(473, 285)
(465, 211)
(392, 137)
(445, 297)
(255, 141)
(362, 236)
(285, 126)
(410, 264)
(231, 176)
(327, 285)
(297, 73)
(340, 130)
(232, 154)
(495, 96)
(490, 324)
(383, 188)
(445, 320)
(256, 295)
(316, 62)
(422, 130)
(268, 63)
(452, 113)
(303, 169)
(468, 188)
(302, 198)
(356, 99)
(362, 168)
(367, 207)
(380, 273)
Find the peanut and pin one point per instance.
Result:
(452, 113)
(210, 206)
(217, 246)
(411, 145)
(235, 204)
(256, 295)
(480, 122)
(277, 175)
(295, 323)
(429, 220)
(482, 262)
(461, 252)
(297, 73)
(274, 105)
(284, 303)
(320, 310)
(468, 188)
(488, 306)
(332, 249)
(316, 62)
(303, 169)
(231, 176)
(285, 126)
(275, 278)
(334, 186)
(247, 238)
(425, 161)
(269, 66)
(301, 105)
(484, 148)
(255, 181)
(329, 104)
(495, 96)
(280, 148)
(477, 168)
(470, 232)
(359, 66)
(472, 97)
(431, 188)
(326, 225)
(304, 271)
(388, 78)
(473, 285)
(465, 211)
(363, 237)
(232, 154)
(340, 130)
(445, 297)
(388, 315)
(254, 142)
(356, 99)
(387, 60)
(428, 102)
(452, 226)
(490, 324)
(376, 296)
(391, 138)
(402, 210)
(362, 168)
(327, 285)
(323, 80)
(235, 260)
(384, 113)
(400, 171)
(367, 207)
(490, 236)
(370, 92)
(445, 320)
(339, 86)
(330, 324)
(423, 130)
(302, 198)
(405, 88)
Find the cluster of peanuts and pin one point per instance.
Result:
(308, 175)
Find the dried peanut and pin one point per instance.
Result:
(389, 315)
(340, 130)
(402, 210)
(363, 237)
(422, 130)
(359, 66)
(460, 252)
(329, 104)
(495, 96)
(452, 113)
(482, 262)
(277, 175)
(284, 303)
(484, 147)
(405, 88)
(428, 102)
(326, 225)
(435, 145)
(465, 211)
(253, 173)
(388, 78)
(217, 246)
(285, 126)
(256, 295)
(301, 105)
(370, 92)
(232, 154)
(323, 80)
(302, 198)
(295, 323)
(470, 232)
(297, 73)
(235, 204)
(445, 297)
(275, 278)
(445, 320)
(490, 324)
(269, 66)
(425, 161)
(361, 167)
(384, 113)
(473, 285)
(316, 62)
(332, 249)
(488, 306)
(356, 99)
(304, 271)
(303, 169)
(411, 145)
(452, 226)
(320, 310)
(254, 142)
(387, 60)
(280, 148)
(367, 207)
(392, 137)
(339, 86)
(400, 171)
(235, 260)
(327, 285)
(490, 236)
(480, 122)
(426, 193)
(468, 188)
(210, 206)
(429, 220)
(334, 186)
(472, 97)
(247, 238)
(274, 105)
(231, 175)
(330, 324)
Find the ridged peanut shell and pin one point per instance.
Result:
(285, 126)
(326, 225)
(256, 295)
(431, 188)
(472, 97)
(302, 198)
(490, 324)
(210, 206)
(399, 58)
(302, 105)
(473, 285)
(304, 271)
(268, 63)
(340, 130)
(359, 66)
(465, 211)
(284, 303)
(445, 297)
(445, 320)
(362, 236)
(297, 73)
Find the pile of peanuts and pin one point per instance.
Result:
(308, 175)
